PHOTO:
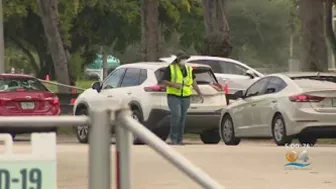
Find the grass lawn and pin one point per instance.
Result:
(80, 84)
(67, 131)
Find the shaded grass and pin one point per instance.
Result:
(68, 131)
(80, 84)
(327, 141)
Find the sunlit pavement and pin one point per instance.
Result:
(251, 165)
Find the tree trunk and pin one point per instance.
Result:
(50, 20)
(105, 66)
(329, 25)
(314, 47)
(150, 30)
(217, 39)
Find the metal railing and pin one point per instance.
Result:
(100, 122)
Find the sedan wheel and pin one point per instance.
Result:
(227, 131)
(279, 131)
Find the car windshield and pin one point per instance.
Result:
(315, 81)
(25, 84)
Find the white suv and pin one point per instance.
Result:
(138, 84)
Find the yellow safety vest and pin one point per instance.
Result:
(177, 77)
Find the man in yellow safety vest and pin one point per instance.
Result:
(179, 80)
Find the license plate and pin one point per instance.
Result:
(27, 105)
(328, 103)
(333, 102)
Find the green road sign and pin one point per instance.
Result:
(112, 62)
(29, 171)
(28, 175)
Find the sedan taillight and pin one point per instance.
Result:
(155, 88)
(305, 98)
(53, 101)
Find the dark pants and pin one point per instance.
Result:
(178, 108)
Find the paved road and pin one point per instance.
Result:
(250, 165)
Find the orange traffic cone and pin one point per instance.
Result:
(47, 77)
(72, 101)
(226, 89)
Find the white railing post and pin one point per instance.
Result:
(167, 152)
(99, 150)
(123, 152)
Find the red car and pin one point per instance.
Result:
(24, 95)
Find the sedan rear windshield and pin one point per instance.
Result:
(203, 75)
(25, 84)
(315, 81)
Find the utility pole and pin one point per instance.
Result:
(104, 59)
(332, 66)
(2, 42)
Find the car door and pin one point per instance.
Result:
(229, 73)
(110, 92)
(245, 113)
(265, 106)
(129, 84)
(236, 76)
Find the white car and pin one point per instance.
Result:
(138, 85)
(283, 106)
(237, 75)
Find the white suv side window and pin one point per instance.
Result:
(113, 80)
(131, 78)
(231, 68)
(223, 66)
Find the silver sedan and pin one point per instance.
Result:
(283, 106)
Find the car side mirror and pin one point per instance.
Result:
(239, 94)
(270, 90)
(250, 74)
(96, 86)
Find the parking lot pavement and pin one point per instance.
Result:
(251, 165)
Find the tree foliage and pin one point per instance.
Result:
(258, 29)
(260, 26)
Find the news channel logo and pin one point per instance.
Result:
(297, 157)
